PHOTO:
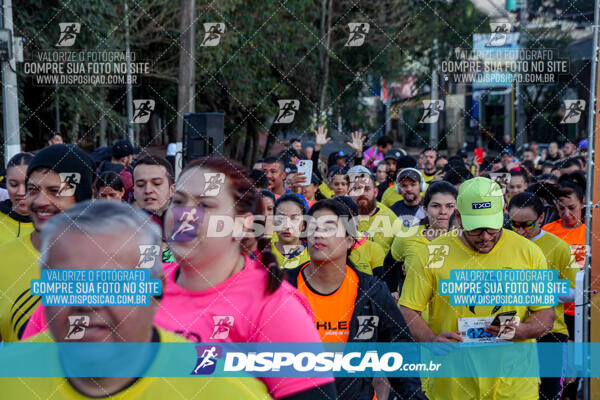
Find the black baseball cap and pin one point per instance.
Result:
(123, 148)
(394, 154)
(410, 174)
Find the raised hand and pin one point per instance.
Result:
(321, 138)
(357, 141)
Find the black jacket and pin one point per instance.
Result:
(373, 299)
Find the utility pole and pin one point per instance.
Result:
(128, 83)
(56, 108)
(520, 135)
(10, 100)
(187, 71)
(591, 282)
(433, 127)
(388, 109)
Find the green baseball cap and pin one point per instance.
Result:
(481, 204)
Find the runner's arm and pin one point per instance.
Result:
(324, 392)
(569, 297)
(315, 163)
(358, 158)
(421, 331)
(538, 324)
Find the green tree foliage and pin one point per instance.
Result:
(270, 50)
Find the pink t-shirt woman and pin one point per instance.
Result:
(216, 293)
(237, 310)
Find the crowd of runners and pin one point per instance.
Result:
(301, 247)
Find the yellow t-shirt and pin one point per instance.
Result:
(367, 255)
(381, 227)
(18, 266)
(289, 263)
(145, 388)
(391, 196)
(325, 190)
(559, 257)
(421, 289)
(406, 246)
(428, 178)
(11, 229)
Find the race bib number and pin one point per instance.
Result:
(472, 330)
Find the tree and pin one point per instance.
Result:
(270, 51)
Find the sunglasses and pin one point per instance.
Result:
(525, 225)
(478, 232)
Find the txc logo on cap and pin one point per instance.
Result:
(480, 206)
(207, 359)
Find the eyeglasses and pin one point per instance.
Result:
(478, 232)
(527, 225)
